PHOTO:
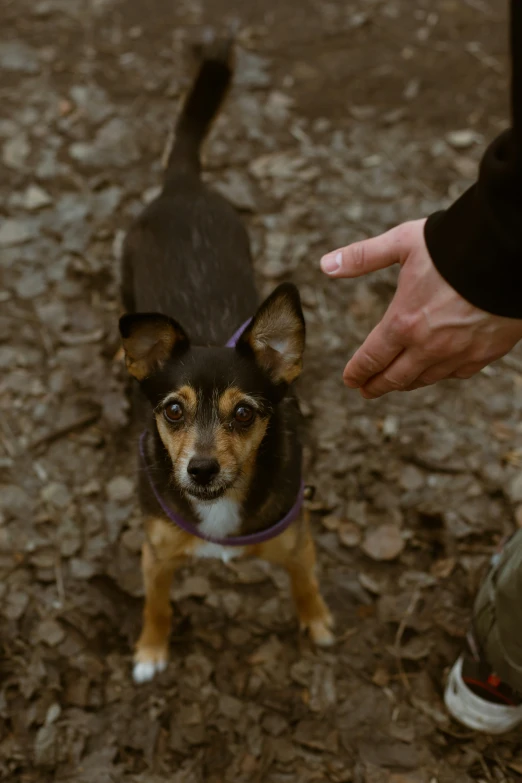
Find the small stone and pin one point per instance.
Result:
(81, 569)
(53, 713)
(353, 212)
(462, 139)
(15, 605)
(371, 161)
(384, 543)
(16, 151)
(69, 537)
(30, 285)
(120, 489)
(277, 106)
(231, 603)
(71, 208)
(412, 89)
(197, 586)
(14, 232)
(349, 535)
(50, 632)
(237, 189)
(411, 478)
(8, 357)
(114, 145)
(13, 498)
(92, 100)
(56, 494)
(251, 69)
(107, 201)
(18, 56)
(48, 166)
(390, 426)
(35, 197)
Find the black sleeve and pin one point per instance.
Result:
(476, 244)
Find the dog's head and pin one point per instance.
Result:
(212, 406)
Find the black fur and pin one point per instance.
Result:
(187, 256)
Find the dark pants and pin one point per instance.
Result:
(497, 616)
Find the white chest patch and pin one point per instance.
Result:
(219, 518)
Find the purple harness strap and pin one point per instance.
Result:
(235, 337)
(249, 540)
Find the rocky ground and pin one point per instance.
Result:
(345, 118)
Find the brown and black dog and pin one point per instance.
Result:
(221, 445)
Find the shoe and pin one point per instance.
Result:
(477, 698)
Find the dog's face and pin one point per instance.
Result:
(213, 406)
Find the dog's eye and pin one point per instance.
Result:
(243, 414)
(173, 412)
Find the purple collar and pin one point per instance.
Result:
(249, 540)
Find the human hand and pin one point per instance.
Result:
(429, 332)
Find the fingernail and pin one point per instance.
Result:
(331, 262)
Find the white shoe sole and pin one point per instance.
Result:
(474, 712)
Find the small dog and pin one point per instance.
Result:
(220, 454)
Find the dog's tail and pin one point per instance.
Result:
(200, 107)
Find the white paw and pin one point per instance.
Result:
(320, 634)
(320, 630)
(144, 671)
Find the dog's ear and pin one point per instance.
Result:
(149, 339)
(277, 335)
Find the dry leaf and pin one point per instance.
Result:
(384, 543)
(443, 568)
(349, 534)
(381, 677)
(331, 522)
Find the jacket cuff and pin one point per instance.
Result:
(476, 244)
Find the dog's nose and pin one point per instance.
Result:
(202, 470)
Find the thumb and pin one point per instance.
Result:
(360, 258)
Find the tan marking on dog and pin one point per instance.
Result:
(237, 449)
(230, 399)
(187, 395)
(179, 441)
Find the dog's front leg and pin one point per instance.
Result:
(295, 551)
(158, 566)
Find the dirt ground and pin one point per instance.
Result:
(342, 122)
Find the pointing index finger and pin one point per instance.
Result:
(366, 256)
